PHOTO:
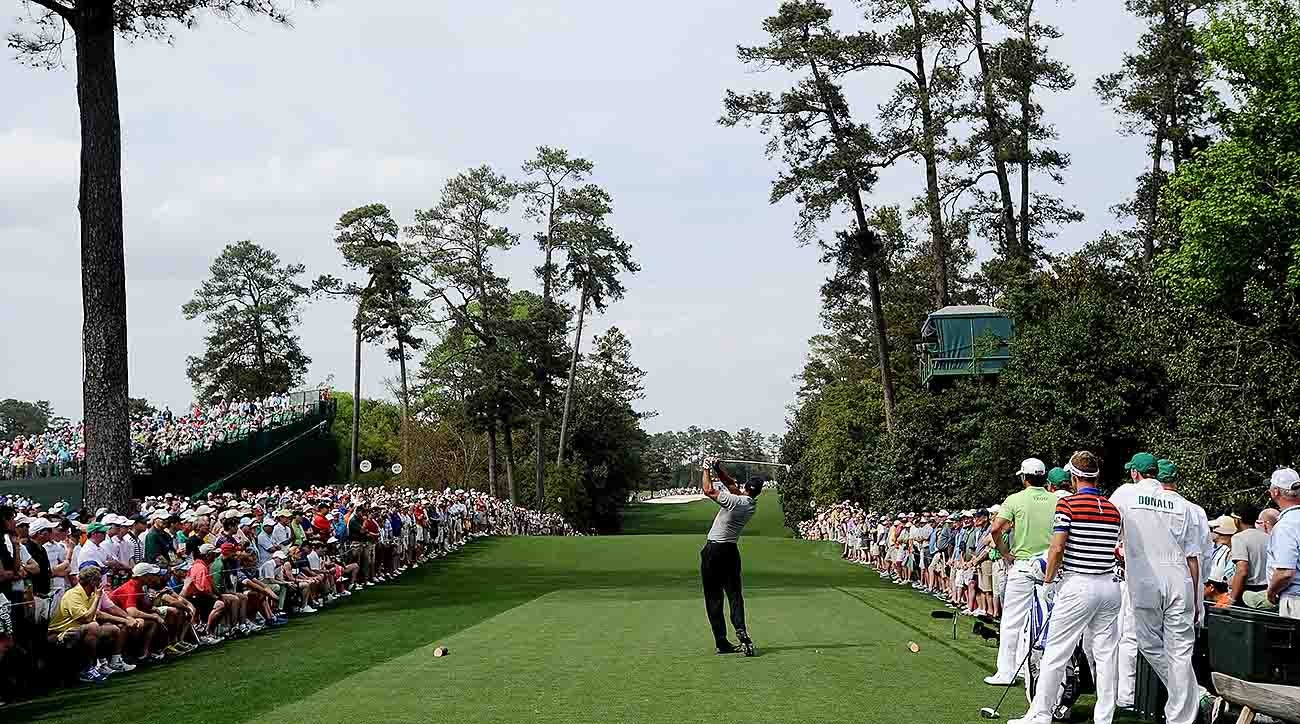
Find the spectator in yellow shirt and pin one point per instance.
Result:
(81, 621)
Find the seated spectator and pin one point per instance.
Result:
(200, 591)
(81, 621)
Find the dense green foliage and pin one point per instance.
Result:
(1179, 337)
(18, 417)
(380, 432)
(673, 458)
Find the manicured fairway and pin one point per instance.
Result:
(581, 630)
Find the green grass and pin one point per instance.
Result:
(581, 630)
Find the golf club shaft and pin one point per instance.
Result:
(1023, 663)
(755, 462)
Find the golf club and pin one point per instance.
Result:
(992, 712)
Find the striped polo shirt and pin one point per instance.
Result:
(1093, 527)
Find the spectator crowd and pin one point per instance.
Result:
(156, 437)
(97, 594)
(1132, 571)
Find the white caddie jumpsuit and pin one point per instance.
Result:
(1159, 537)
(1128, 650)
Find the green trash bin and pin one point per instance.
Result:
(1254, 645)
(1149, 694)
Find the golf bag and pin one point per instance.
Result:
(1036, 630)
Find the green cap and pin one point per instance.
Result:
(96, 528)
(1143, 463)
(1056, 476)
(1167, 470)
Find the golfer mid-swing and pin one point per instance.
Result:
(720, 558)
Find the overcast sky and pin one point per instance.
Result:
(266, 133)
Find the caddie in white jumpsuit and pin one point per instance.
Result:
(1030, 512)
(1162, 551)
(1086, 600)
(1168, 477)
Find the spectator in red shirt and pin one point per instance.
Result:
(320, 525)
(136, 597)
(199, 590)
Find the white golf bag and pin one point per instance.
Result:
(1035, 632)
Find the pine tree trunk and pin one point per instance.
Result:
(492, 458)
(508, 441)
(543, 391)
(938, 234)
(539, 431)
(406, 405)
(1157, 181)
(356, 402)
(872, 258)
(260, 350)
(997, 137)
(103, 267)
(573, 370)
(1026, 91)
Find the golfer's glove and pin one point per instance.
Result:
(711, 462)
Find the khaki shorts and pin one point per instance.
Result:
(937, 564)
(986, 576)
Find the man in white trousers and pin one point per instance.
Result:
(1168, 476)
(1030, 512)
(1086, 601)
(1162, 551)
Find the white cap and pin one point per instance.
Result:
(204, 510)
(245, 521)
(38, 525)
(1032, 466)
(145, 569)
(279, 554)
(206, 548)
(1286, 479)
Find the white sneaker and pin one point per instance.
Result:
(345, 593)
(995, 681)
(121, 667)
(307, 609)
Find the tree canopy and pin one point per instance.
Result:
(251, 303)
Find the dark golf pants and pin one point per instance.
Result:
(720, 570)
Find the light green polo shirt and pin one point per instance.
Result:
(1033, 512)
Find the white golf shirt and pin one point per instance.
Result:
(58, 554)
(92, 552)
(1160, 534)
